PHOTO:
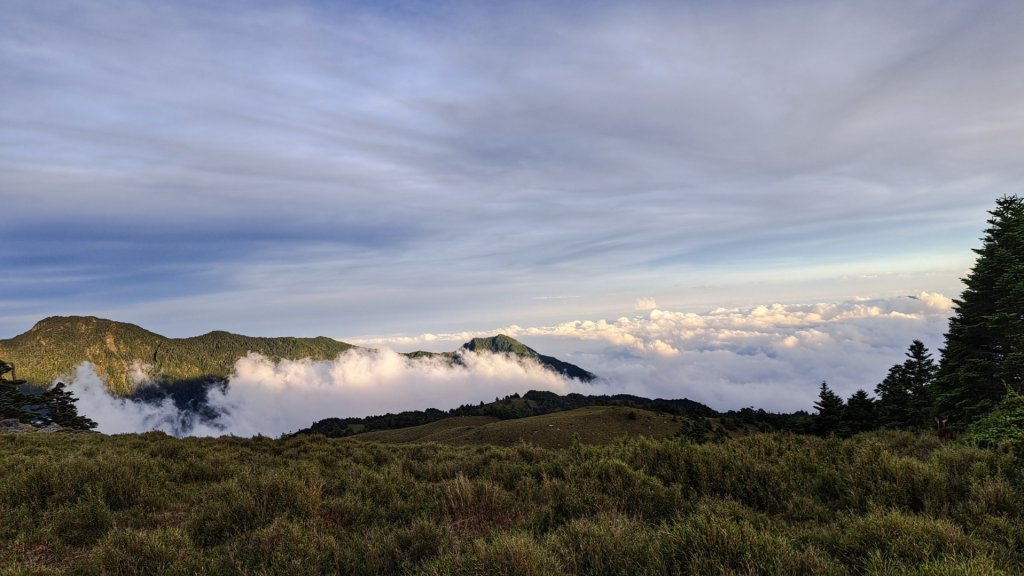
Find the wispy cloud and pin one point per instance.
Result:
(359, 166)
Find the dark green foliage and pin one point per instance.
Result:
(760, 420)
(859, 415)
(881, 502)
(984, 348)
(830, 409)
(12, 400)
(61, 410)
(1003, 426)
(904, 397)
(55, 406)
(533, 403)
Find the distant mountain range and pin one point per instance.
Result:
(55, 345)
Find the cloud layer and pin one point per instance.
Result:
(272, 398)
(770, 356)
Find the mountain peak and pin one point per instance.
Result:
(500, 343)
(504, 344)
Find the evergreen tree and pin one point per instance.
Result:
(904, 397)
(859, 415)
(12, 400)
(830, 409)
(983, 355)
(62, 410)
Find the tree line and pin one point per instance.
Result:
(978, 382)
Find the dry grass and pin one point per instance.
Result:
(880, 503)
(592, 425)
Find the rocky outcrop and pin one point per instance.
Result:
(15, 426)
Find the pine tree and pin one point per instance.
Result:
(904, 397)
(60, 405)
(12, 400)
(983, 355)
(859, 415)
(830, 409)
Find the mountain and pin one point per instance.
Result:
(54, 346)
(502, 344)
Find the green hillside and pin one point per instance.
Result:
(55, 345)
(592, 425)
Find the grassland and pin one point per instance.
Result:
(878, 503)
(592, 425)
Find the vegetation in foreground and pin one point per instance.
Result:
(888, 502)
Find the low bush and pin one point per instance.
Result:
(878, 503)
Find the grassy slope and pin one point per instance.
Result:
(54, 346)
(881, 503)
(593, 425)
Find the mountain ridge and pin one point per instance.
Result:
(122, 352)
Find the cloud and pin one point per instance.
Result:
(272, 398)
(770, 356)
(117, 415)
(159, 157)
(645, 304)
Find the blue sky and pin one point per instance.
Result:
(392, 169)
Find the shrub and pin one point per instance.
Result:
(82, 522)
(608, 544)
(141, 553)
(506, 554)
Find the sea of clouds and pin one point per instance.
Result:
(771, 356)
(272, 398)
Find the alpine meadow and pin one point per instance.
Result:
(535, 288)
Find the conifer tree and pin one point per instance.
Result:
(830, 409)
(62, 410)
(983, 355)
(12, 400)
(859, 415)
(904, 397)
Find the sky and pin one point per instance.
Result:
(382, 171)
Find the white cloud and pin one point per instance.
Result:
(645, 304)
(116, 415)
(531, 151)
(272, 398)
(771, 356)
